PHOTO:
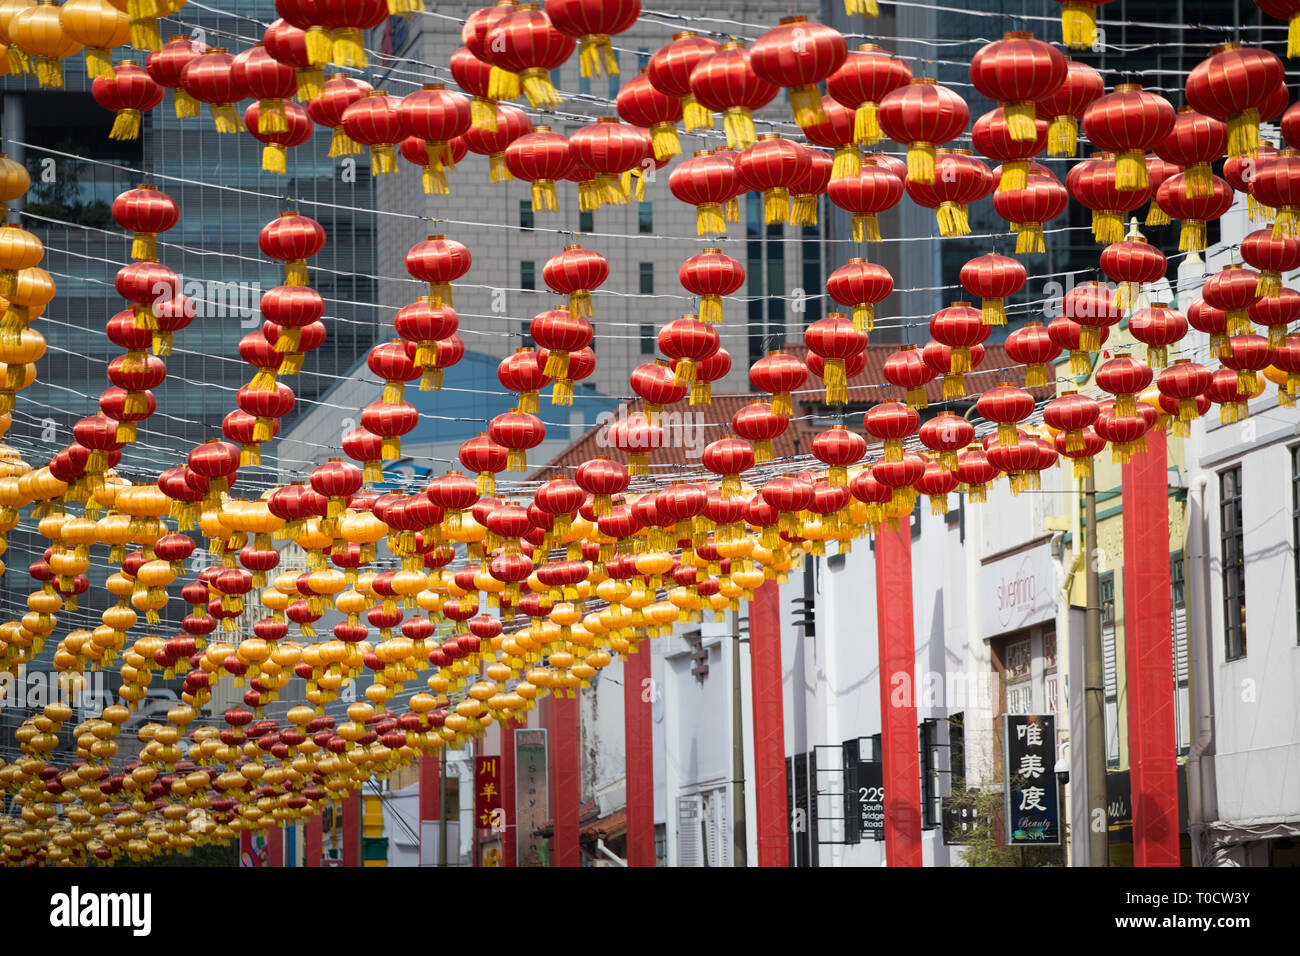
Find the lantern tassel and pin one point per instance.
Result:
(776, 206)
(864, 317)
(383, 160)
(49, 72)
(348, 48)
(954, 386)
(666, 143)
(1243, 133)
(1192, 236)
(920, 162)
(685, 374)
(806, 102)
(1078, 25)
(739, 124)
(1131, 170)
(1015, 175)
(1020, 117)
(709, 221)
(1284, 224)
(993, 312)
(544, 196)
(866, 228)
(1063, 137)
(1156, 216)
(539, 89)
(710, 309)
(952, 219)
(311, 81)
(483, 114)
(1029, 238)
(701, 392)
(126, 125)
(502, 85)
(274, 159)
(1107, 226)
(270, 117)
(434, 181)
(557, 364)
(694, 115)
(145, 34)
(847, 163)
(144, 246)
(803, 211)
(343, 145)
(498, 171)
(837, 389)
(562, 393)
(866, 127)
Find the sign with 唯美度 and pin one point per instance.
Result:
(1029, 759)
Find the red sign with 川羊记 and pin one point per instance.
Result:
(487, 791)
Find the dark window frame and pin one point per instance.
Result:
(1233, 564)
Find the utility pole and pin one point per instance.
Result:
(1094, 689)
(737, 749)
(442, 805)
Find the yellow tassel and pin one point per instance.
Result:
(1198, 181)
(776, 206)
(861, 8)
(1157, 356)
(18, 62)
(1078, 25)
(993, 312)
(920, 162)
(847, 163)
(434, 181)
(701, 392)
(782, 405)
(1156, 216)
(666, 143)
(1063, 137)
(348, 48)
(502, 85)
(343, 145)
(498, 172)
(1257, 211)
(685, 374)
(1107, 227)
(125, 432)
(1284, 224)
(557, 364)
(866, 228)
(311, 82)
(187, 107)
(49, 72)
(732, 209)
(144, 246)
(695, 116)
(739, 125)
(806, 102)
(952, 219)
(273, 159)
(1020, 121)
(539, 89)
(99, 63)
(1015, 175)
(866, 127)
(405, 8)
(250, 455)
(562, 393)
(1125, 404)
(709, 221)
(145, 34)
(1192, 236)
(1243, 133)
(1131, 170)
(803, 211)
(289, 336)
(383, 160)
(1029, 238)
(439, 294)
(954, 386)
(225, 119)
(864, 316)
(483, 114)
(837, 390)
(126, 125)
(1276, 336)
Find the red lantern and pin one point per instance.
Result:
(592, 23)
(288, 44)
(1232, 85)
(670, 69)
(525, 42)
(1247, 355)
(268, 81)
(541, 158)
(1124, 376)
(728, 458)
(726, 83)
(1094, 307)
(1233, 290)
(436, 116)
(770, 166)
(165, 66)
(1006, 406)
(1071, 414)
(1286, 358)
(1128, 122)
(993, 278)
(657, 386)
(708, 371)
(1157, 172)
(991, 136)
(1212, 321)
(959, 327)
(706, 181)
(1232, 392)
(1095, 184)
(688, 341)
(438, 261)
(560, 332)
(891, 423)
(611, 148)
(145, 212)
(1194, 143)
(1271, 256)
(209, 78)
(348, 20)
(710, 275)
(921, 116)
(835, 339)
(1042, 200)
(292, 239)
(859, 285)
(485, 457)
(1132, 263)
(1157, 327)
(797, 55)
(575, 272)
(642, 104)
(936, 483)
(960, 179)
(1017, 71)
(906, 369)
(511, 124)
(866, 77)
(636, 438)
(1276, 312)
(1277, 184)
(128, 91)
(475, 76)
(779, 374)
(517, 432)
(339, 92)
(1081, 86)
(1193, 211)
(374, 121)
(298, 129)
(757, 424)
(1032, 346)
(874, 190)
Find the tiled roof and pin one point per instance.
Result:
(688, 428)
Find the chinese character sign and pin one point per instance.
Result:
(1033, 807)
(487, 792)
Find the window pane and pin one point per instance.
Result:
(647, 340)
(1232, 556)
(528, 275)
(647, 278)
(526, 213)
(585, 221)
(645, 220)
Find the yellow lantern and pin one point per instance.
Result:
(99, 27)
(38, 33)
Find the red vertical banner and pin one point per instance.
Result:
(1148, 656)
(898, 730)
(638, 701)
(313, 841)
(487, 792)
(770, 801)
(275, 846)
(509, 828)
(352, 830)
(565, 782)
